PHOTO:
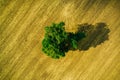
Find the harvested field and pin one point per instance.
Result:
(22, 25)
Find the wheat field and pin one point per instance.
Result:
(22, 25)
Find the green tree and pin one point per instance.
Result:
(53, 42)
(57, 41)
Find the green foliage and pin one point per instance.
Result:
(57, 41)
(74, 43)
(74, 38)
(54, 38)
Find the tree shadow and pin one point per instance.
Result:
(95, 35)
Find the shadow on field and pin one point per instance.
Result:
(95, 35)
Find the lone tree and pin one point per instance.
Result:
(57, 41)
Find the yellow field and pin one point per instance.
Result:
(22, 25)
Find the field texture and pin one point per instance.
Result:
(22, 25)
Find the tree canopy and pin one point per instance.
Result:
(57, 41)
